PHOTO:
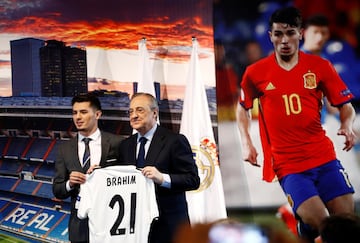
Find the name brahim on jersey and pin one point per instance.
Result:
(120, 180)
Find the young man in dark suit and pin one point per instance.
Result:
(75, 158)
(168, 162)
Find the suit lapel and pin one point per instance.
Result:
(105, 147)
(132, 148)
(73, 152)
(157, 143)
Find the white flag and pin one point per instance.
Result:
(206, 204)
(145, 79)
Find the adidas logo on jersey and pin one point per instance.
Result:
(270, 86)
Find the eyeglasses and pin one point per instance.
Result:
(137, 110)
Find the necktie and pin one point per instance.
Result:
(141, 156)
(86, 157)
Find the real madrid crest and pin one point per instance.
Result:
(310, 80)
(206, 159)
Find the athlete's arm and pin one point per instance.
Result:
(249, 152)
(347, 117)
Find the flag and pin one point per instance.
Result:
(145, 78)
(207, 203)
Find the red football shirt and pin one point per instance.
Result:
(292, 137)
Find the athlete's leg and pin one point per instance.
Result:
(306, 233)
(335, 189)
(307, 205)
(312, 212)
(341, 204)
(335, 193)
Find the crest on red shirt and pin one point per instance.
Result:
(309, 80)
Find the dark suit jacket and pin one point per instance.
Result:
(67, 161)
(170, 153)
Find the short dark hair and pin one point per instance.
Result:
(317, 20)
(288, 15)
(89, 97)
(340, 228)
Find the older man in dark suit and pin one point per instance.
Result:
(166, 158)
(78, 156)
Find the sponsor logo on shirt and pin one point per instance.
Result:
(270, 86)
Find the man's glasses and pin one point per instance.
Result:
(137, 110)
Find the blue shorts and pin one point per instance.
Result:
(328, 181)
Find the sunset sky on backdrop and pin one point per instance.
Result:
(168, 25)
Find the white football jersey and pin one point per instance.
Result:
(120, 203)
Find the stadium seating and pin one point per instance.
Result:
(26, 173)
(46, 223)
(7, 183)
